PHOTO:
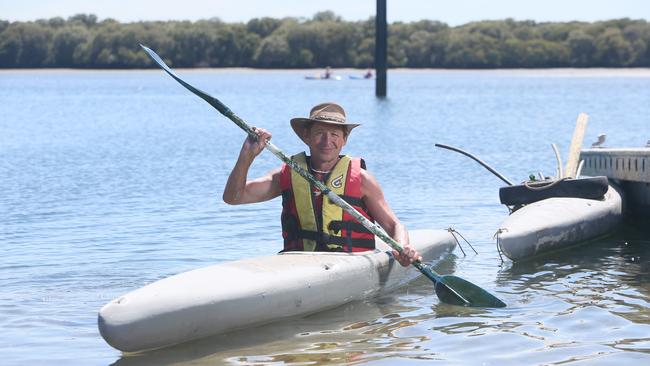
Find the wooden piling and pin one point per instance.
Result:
(381, 48)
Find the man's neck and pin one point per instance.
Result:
(322, 166)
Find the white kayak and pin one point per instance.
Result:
(249, 292)
(557, 223)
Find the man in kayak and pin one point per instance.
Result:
(310, 222)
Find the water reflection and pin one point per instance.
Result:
(611, 273)
(593, 297)
(136, 195)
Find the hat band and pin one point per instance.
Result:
(328, 118)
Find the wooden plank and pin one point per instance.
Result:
(576, 145)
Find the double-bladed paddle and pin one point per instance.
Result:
(450, 289)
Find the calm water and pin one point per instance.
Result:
(112, 180)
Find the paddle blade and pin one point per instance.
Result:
(455, 290)
(198, 92)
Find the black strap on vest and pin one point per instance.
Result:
(286, 198)
(353, 201)
(322, 239)
(349, 227)
(329, 239)
(337, 226)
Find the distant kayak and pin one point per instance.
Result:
(322, 78)
(355, 77)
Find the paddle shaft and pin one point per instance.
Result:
(374, 228)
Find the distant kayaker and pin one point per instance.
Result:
(368, 74)
(310, 222)
(328, 73)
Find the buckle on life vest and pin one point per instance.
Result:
(337, 226)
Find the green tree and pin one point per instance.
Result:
(25, 45)
(493, 29)
(638, 34)
(323, 40)
(326, 16)
(263, 27)
(88, 20)
(10, 47)
(273, 52)
(472, 50)
(582, 48)
(613, 49)
(65, 42)
(426, 49)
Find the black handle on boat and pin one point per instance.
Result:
(450, 289)
(492, 170)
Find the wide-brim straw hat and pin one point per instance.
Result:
(330, 113)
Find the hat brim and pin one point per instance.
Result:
(298, 125)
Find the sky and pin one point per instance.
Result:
(451, 12)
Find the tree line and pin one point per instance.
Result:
(83, 41)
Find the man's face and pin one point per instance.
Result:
(325, 141)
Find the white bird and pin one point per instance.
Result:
(601, 140)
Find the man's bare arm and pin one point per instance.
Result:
(373, 196)
(238, 189)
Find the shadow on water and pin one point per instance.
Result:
(353, 333)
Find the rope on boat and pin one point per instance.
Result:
(498, 238)
(528, 185)
(453, 233)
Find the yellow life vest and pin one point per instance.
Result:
(308, 227)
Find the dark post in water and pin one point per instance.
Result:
(381, 34)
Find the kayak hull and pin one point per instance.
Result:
(555, 223)
(249, 292)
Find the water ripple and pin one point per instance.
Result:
(101, 196)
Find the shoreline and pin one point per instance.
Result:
(580, 72)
